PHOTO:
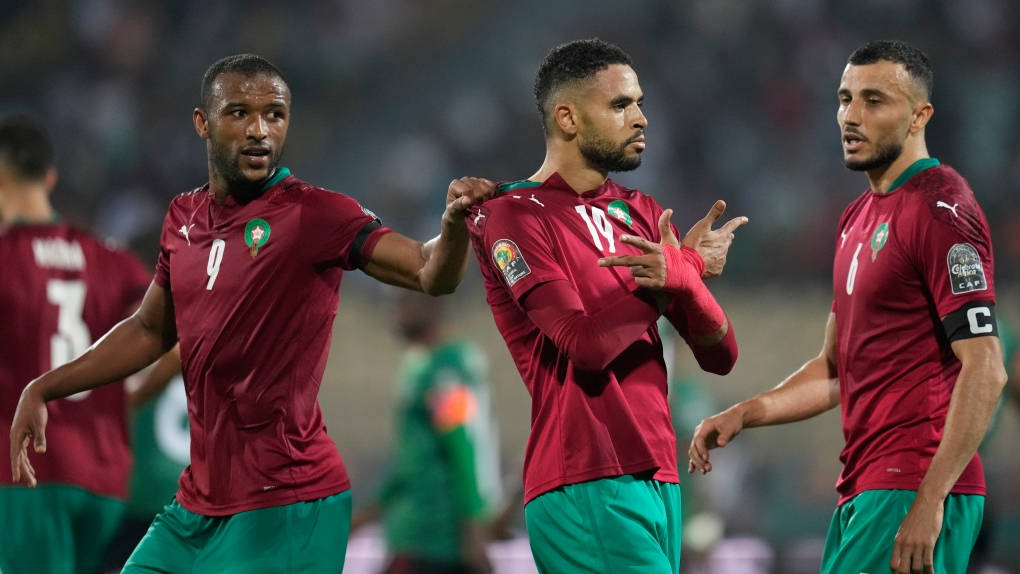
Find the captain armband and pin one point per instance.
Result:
(974, 319)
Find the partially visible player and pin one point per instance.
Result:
(443, 486)
(62, 288)
(248, 281)
(577, 269)
(910, 350)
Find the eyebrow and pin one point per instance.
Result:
(865, 93)
(624, 100)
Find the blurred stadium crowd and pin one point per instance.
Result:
(393, 98)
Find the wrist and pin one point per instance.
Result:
(35, 391)
(684, 267)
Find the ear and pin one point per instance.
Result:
(922, 115)
(566, 117)
(50, 180)
(201, 122)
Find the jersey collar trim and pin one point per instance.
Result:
(521, 183)
(915, 168)
(278, 175)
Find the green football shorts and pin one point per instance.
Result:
(624, 524)
(56, 528)
(863, 529)
(301, 537)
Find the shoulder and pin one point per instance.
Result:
(853, 208)
(941, 194)
(316, 198)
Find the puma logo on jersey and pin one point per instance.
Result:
(535, 199)
(478, 217)
(185, 230)
(947, 206)
(844, 236)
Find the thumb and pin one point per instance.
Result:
(666, 235)
(716, 211)
(39, 441)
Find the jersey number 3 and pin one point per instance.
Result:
(72, 337)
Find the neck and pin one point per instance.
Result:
(565, 159)
(882, 178)
(28, 204)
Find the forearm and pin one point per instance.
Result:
(715, 353)
(590, 340)
(810, 391)
(971, 407)
(445, 259)
(127, 348)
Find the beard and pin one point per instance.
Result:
(606, 156)
(228, 164)
(884, 155)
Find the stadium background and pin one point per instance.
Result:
(393, 98)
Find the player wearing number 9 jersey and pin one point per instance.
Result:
(62, 288)
(577, 269)
(910, 352)
(248, 280)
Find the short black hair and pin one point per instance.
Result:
(247, 65)
(574, 62)
(25, 147)
(914, 60)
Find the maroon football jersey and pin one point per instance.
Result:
(584, 424)
(255, 289)
(904, 260)
(62, 289)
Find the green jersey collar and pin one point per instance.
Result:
(915, 168)
(278, 175)
(521, 183)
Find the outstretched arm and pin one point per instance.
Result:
(811, 390)
(128, 347)
(971, 406)
(435, 267)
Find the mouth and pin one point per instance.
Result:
(257, 157)
(638, 142)
(853, 141)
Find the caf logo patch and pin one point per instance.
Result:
(508, 258)
(966, 273)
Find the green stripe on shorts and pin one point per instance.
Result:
(861, 534)
(622, 524)
(301, 537)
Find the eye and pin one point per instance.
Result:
(238, 113)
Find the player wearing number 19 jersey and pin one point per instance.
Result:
(600, 474)
(62, 288)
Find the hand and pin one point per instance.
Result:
(711, 244)
(462, 194)
(474, 554)
(29, 423)
(649, 268)
(914, 545)
(714, 432)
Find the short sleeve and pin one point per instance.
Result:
(136, 279)
(338, 230)
(953, 252)
(519, 247)
(162, 277)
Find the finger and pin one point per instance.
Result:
(690, 467)
(641, 243)
(16, 450)
(620, 261)
(715, 212)
(734, 223)
(39, 441)
(929, 559)
(666, 234)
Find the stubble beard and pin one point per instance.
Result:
(885, 155)
(606, 156)
(228, 165)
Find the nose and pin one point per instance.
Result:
(640, 121)
(258, 128)
(852, 113)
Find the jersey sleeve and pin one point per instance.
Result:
(953, 253)
(518, 248)
(162, 277)
(339, 230)
(136, 279)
